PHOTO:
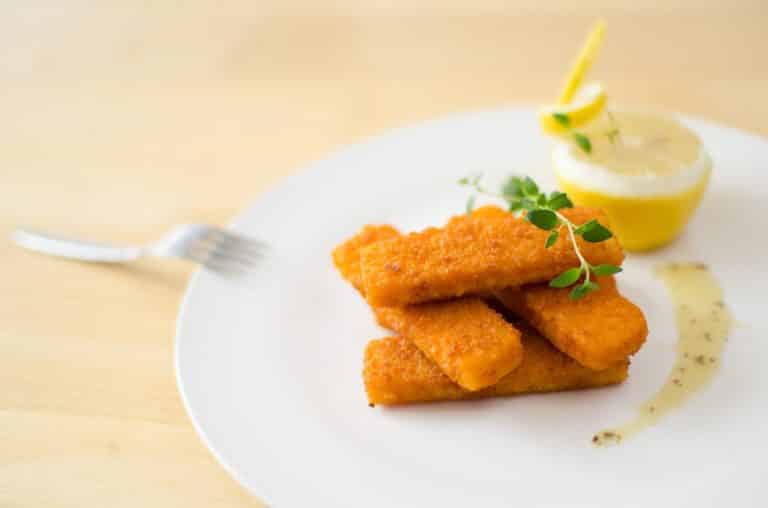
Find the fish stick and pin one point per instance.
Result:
(396, 372)
(474, 254)
(489, 211)
(598, 330)
(346, 256)
(469, 341)
(472, 343)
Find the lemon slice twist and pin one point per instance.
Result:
(580, 104)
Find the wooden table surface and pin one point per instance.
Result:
(120, 120)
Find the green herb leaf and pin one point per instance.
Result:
(558, 200)
(584, 143)
(566, 278)
(551, 239)
(587, 226)
(528, 204)
(605, 269)
(582, 290)
(562, 119)
(476, 179)
(543, 218)
(529, 186)
(512, 188)
(597, 233)
(515, 205)
(470, 204)
(593, 231)
(464, 181)
(541, 200)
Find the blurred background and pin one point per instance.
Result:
(249, 90)
(121, 118)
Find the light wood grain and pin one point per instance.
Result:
(120, 120)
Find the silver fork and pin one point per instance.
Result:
(213, 247)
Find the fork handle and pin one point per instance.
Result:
(74, 249)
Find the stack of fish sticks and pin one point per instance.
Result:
(472, 315)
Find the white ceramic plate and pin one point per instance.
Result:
(270, 371)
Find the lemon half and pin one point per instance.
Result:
(646, 170)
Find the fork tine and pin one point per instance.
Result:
(246, 249)
(236, 239)
(226, 268)
(231, 247)
(217, 248)
(234, 255)
(226, 263)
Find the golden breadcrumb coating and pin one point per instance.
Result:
(470, 342)
(474, 254)
(346, 256)
(467, 339)
(396, 372)
(490, 211)
(597, 331)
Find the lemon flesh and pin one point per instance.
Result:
(647, 171)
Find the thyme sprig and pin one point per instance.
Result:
(522, 195)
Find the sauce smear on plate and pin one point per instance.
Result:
(703, 324)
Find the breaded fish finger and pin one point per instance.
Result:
(597, 331)
(468, 340)
(396, 372)
(474, 254)
(346, 256)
